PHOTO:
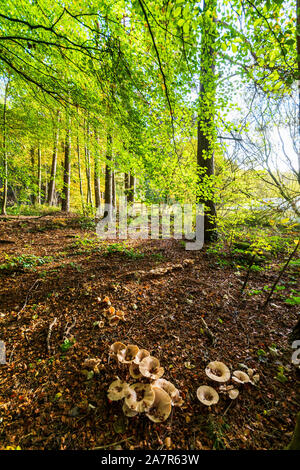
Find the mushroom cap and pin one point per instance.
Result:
(109, 313)
(120, 314)
(141, 355)
(240, 377)
(171, 390)
(218, 371)
(117, 347)
(127, 355)
(128, 412)
(139, 397)
(117, 390)
(250, 372)
(135, 371)
(114, 320)
(150, 368)
(207, 395)
(256, 378)
(233, 394)
(91, 363)
(161, 407)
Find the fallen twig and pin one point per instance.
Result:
(208, 332)
(27, 297)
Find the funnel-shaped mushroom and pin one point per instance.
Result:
(117, 390)
(117, 347)
(150, 367)
(233, 394)
(109, 313)
(207, 395)
(134, 371)
(127, 355)
(92, 363)
(240, 377)
(141, 355)
(218, 371)
(139, 397)
(114, 320)
(171, 390)
(128, 412)
(120, 314)
(161, 407)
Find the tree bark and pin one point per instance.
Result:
(4, 150)
(39, 176)
(97, 172)
(89, 198)
(65, 206)
(51, 187)
(130, 190)
(108, 176)
(205, 127)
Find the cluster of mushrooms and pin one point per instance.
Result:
(219, 372)
(112, 315)
(156, 398)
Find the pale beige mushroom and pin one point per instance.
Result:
(171, 390)
(218, 371)
(114, 320)
(92, 363)
(240, 377)
(207, 395)
(150, 368)
(141, 355)
(250, 372)
(128, 412)
(117, 347)
(255, 379)
(127, 355)
(117, 390)
(135, 371)
(139, 397)
(161, 407)
(233, 394)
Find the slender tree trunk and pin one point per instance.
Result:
(298, 63)
(130, 190)
(126, 184)
(79, 171)
(65, 206)
(4, 150)
(51, 189)
(108, 175)
(206, 128)
(88, 162)
(113, 196)
(39, 197)
(97, 172)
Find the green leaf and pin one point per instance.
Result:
(177, 12)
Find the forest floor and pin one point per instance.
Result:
(54, 267)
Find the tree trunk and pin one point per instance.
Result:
(88, 162)
(298, 64)
(206, 127)
(108, 176)
(65, 206)
(39, 196)
(4, 150)
(51, 188)
(130, 190)
(97, 172)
